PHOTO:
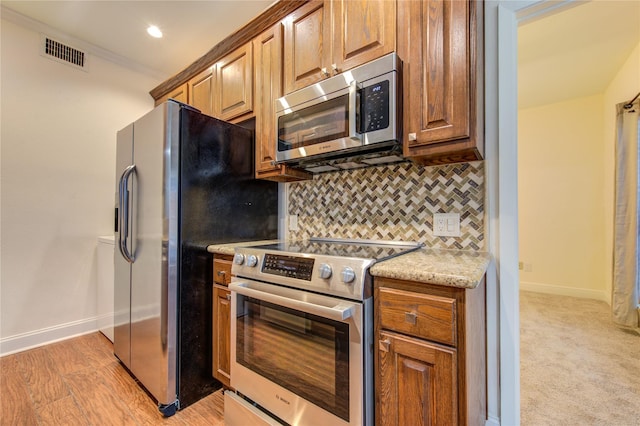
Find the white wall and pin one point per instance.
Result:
(624, 86)
(58, 180)
(561, 198)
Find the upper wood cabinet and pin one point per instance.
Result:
(324, 38)
(362, 31)
(234, 83)
(442, 90)
(201, 91)
(307, 46)
(267, 50)
(180, 93)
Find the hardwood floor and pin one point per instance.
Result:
(80, 382)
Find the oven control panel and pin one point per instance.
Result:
(288, 266)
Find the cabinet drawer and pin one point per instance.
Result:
(222, 270)
(420, 315)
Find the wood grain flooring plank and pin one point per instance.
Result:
(66, 357)
(100, 404)
(142, 407)
(95, 350)
(211, 408)
(99, 390)
(16, 407)
(42, 378)
(62, 412)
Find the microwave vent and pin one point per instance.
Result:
(63, 53)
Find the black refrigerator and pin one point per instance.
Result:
(184, 180)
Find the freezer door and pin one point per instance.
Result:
(154, 272)
(122, 268)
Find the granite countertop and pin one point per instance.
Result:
(229, 248)
(453, 268)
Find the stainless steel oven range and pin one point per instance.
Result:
(302, 332)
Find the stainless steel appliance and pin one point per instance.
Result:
(301, 332)
(350, 120)
(185, 180)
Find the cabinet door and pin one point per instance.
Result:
(417, 382)
(307, 45)
(363, 30)
(201, 90)
(440, 80)
(234, 83)
(267, 49)
(180, 94)
(222, 334)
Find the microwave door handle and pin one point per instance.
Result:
(340, 312)
(353, 104)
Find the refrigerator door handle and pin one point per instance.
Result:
(124, 213)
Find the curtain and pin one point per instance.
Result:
(624, 293)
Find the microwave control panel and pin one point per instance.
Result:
(374, 107)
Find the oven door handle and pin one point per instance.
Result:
(327, 307)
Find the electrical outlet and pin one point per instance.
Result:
(446, 224)
(293, 222)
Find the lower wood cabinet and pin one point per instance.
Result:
(430, 354)
(418, 382)
(221, 366)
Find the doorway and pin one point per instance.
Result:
(565, 209)
(503, 18)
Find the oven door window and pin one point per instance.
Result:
(304, 353)
(312, 125)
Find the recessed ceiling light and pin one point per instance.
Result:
(154, 31)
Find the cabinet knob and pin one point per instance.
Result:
(324, 72)
(221, 273)
(335, 68)
(229, 297)
(384, 345)
(413, 137)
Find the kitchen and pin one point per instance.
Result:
(127, 98)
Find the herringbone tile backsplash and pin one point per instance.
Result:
(393, 202)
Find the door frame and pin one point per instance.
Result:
(502, 19)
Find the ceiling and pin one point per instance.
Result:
(570, 54)
(190, 28)
(576, 52)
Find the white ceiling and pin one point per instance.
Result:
(576, 52)
(190, 28)
(571, 54)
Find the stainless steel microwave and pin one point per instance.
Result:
(355, 113)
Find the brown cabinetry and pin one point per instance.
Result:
(324, 38)
(362, 31)
(267, 50)
(430, 354)
(201, 91)
(234, 84)
(180, 94)
(442, 90)
(221, 368)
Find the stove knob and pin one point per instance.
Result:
(238, 258)
(325, 271)
(348, 275)
(252, 260)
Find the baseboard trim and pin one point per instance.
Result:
(34, 339)
(565, 291)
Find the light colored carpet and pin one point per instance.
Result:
(576, 366)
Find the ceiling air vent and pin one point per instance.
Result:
(61, 52)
